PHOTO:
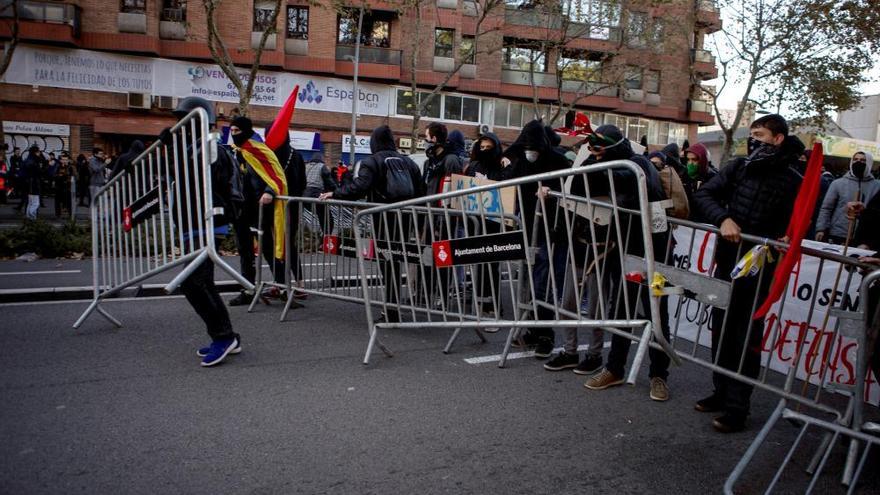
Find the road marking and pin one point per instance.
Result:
(86, 302)
(494, 358)
(46, 272)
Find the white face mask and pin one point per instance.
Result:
(532, 156)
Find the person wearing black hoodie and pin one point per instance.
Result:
(126, 160)
(754, 194)
(671, 151)
(609, 144)
(442, 160)
(372, 183)
(531, 154)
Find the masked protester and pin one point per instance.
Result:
(755, 195)
(698, 170)
(532, 153)
(832, 224)
(199, 287)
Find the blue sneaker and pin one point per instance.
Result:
(205, 350)
(218, 351)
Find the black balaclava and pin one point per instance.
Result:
(247, 130)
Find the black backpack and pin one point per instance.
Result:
(398, 179)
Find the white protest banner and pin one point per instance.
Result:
(786, 334)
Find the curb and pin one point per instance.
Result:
(86, 293)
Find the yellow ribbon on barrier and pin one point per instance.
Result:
(658, 284)
(750, 264)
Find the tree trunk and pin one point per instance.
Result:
(727, 150)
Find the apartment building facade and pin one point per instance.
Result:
(92, 72)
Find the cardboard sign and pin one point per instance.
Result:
(141, 210)
(507, 246)
(495, 201)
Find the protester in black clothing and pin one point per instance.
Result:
(62, 179)
(374, 183)
(609, 144)
(199, 287)
(531, 154)
(442, 160)
(126, 160)
(755, 195)
(82, 180)
(34, 168)
(17, 175)
(672, 158)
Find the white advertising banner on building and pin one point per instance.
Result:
(361, 144)
(12, 127)
(98, 71)
(794, 326)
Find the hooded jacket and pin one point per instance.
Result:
(832, 217)
(370, 181)
(533, 137)
(442, 161)
(672, 153)
(126, 160)
(488, 164)
(758, 193)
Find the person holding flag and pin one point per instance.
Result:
(755, 194)
(263, 181)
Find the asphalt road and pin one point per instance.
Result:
(103, 410)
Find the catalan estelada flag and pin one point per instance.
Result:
(264, 162)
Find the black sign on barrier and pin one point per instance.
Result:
(142, 209)
(507, 246)
(403, 252)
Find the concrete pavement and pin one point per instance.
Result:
(103, 410)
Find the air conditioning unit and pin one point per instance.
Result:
(484, 128)
(405, 144)
(139, 101)
(165, 102)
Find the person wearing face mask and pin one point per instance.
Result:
(698, 170)
(608, 144)
(832, 224)
(754, 194)
(442, 160)
(532, 153)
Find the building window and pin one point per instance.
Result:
(468, 50)
(461, 108)
(297, 23)
(578, 66)
(444, 39)
(133, 6)
(599, 17)
(633, 78)
(173, 11)
(523, 57)
(454, 107)
(637, 33)
(263, 12)
(375, 31)
(652, 81)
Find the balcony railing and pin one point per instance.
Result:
(538, 18)
(702, 56)
(524, 77)
(48, 12)
(369, 54)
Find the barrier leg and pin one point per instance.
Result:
(641, 350)
(109, 317)
(258, 290)
(187, 271)
(753, 448)
(510, 336)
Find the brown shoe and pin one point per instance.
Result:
(603, 380)
(659, 390)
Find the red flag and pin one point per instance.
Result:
(579, 127)
(800, 221)
(278, 132)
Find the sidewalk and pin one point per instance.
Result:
(11, 218)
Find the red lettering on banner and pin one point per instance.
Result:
(870, 380)
(442, 254)
(126, 219)
(847, 365)
(330, 244)
(703, 253)
(796, 271)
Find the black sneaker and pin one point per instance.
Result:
(544, 348)
(562, 361)
(526, 340)
(710, 404)
(242, 299)
(729, 423)
(589, 366)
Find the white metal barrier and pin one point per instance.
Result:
(158, 216)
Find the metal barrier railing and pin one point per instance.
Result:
(157, 216)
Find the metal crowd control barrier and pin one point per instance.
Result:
(471, 234)
(157, 216)
(812, 341)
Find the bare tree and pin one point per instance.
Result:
(808, 56)
(483, 11)
(220, 53)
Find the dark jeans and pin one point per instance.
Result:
(244, 239)
(659, 367)
(544, 286)
(741, 333)
(204, 297)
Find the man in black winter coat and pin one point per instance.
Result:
(442, 161)
(755, 195)
(372, 183)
